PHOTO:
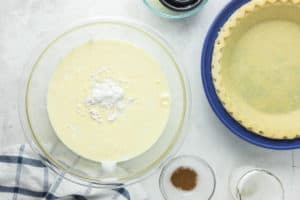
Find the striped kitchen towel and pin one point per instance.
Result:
(24, 177)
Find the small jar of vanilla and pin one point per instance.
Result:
(175, 9)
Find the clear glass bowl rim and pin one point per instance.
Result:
(260, 170)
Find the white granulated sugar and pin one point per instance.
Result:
(109, 96)
(95, 115)
(107, 93)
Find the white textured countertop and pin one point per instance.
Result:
(25, 23)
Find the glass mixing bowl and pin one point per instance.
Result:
(43, 139)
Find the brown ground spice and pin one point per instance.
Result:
(184, 178)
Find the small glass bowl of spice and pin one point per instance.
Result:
(175, 9)
(187, 178)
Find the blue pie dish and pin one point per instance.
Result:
(212, 97)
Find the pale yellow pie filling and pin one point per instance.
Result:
(256, 67)
(133, 102)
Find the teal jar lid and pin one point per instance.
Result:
(175, 9)
(181, 5)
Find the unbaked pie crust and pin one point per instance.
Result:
(256, 67)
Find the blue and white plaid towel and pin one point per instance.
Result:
(24, 177)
